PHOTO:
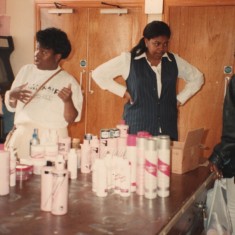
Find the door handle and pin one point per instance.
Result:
(81, 79)
(89, 83)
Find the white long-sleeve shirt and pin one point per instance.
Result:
(105, 74)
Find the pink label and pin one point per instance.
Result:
(151, 168)
(163, 167)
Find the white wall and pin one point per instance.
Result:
(22, 30)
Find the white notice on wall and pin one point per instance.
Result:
(153, 6)
(2, 7)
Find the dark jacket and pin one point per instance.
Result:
(224, 153)
(149, 112)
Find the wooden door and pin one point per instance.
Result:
(117, 33)
(76, 27)
(205, 36)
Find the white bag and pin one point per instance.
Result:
(219, 221)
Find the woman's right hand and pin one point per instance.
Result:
(20, 93)
(127, 96)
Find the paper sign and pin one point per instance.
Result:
(153, 6)
(2, 7)
(4, 25)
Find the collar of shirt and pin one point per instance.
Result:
(144, 55)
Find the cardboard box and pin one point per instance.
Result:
(185, 155)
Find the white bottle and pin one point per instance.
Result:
(125, 178)
(131, 155)
(108, 164)
(101, 190)
(72, 163)
(163, 167)
(94, 175)
(94, 148)
(46, 186)
(60, 188)
(150, 173)
(85, 157)
(4, 173)
(54, 138)
(12, 167)
(141, 146)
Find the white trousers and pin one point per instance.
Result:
(231, 200)
(23, 134)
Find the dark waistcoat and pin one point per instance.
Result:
(150, 113)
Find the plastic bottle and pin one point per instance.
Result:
(163, 166)
(131, 155)
(12, 167)
(141, 146)
(72, 163)
(60, 188)
(35, 139)
(4, 172)
(150, 173)
(46, 186)
(101, 187)
(125, 177)
(85, 157)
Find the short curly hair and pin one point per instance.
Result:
(55, 39)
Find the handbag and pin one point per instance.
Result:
(10, 134)
(218, 221)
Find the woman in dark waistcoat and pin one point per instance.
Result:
(151, 74)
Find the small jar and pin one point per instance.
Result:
(23, 171)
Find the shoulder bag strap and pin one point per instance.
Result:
(42, 85)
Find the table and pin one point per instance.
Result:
(112, 215)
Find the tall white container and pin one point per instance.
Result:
(85, 156)
(60, 188)
(4, 172)
(131, 155)
(46, 187)
(72, 163)
(12, 167)
(101, 183)
(163, 166)
(125, 177)
(141, 146)
(150, 173)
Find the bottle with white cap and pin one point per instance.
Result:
(60, 188)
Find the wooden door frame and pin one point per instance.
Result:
(195, 3)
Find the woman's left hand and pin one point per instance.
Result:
(66, 94)
(214, 168)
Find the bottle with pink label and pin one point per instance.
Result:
(131, 155)
(163, 166)
(141, 146)
(150, 173)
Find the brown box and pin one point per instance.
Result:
(185, 155)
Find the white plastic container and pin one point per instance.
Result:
(4, 172)
(60, 188)
(46, 187)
